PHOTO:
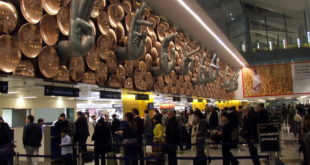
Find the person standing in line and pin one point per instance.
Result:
(61, 124)
(140, 131)
(32, 137)
(148, 127)
(172, 137)
(82, 131)
(5, 140)
(263, 116)
(66, 148)
(130, 140)
(41, 124)
(250, 132)
(102, 140)
(212, 118)
(225, 136)
(199, 120)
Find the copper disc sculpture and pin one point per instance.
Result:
(25, 68)
(101, 74)
(8, 17)
(49, 30)
(10, 54)
(63, 20)
(77, 68)
(32, 10)
(51, 6)
(63, 74)
(30, 40)
(49, 62)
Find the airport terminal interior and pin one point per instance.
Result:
(154, 82)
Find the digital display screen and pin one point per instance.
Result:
(142, 97)
(110, 95)
(4, 87)
(61, 91)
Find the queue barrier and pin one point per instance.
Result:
(151, 157)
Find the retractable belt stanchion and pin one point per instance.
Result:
(272, 158)
(16, 158)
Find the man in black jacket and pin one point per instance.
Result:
(140, 131)
(212, 118)
(82, 131)
(263, 116)
(61, 124)
(225, 135)
(250, 132)
(5, 139)
(32, 137)
(172, 138)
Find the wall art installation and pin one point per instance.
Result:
(111, 43)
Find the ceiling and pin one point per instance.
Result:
(182, 19)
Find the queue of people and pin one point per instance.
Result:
(167, 130)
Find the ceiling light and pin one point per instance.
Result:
(71, 98)
(30, 97)
(12, 92)
(52, 96)
(185, 6)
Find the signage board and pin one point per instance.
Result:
(110, 95)
(200, 100)
(61, 91)
(4, 87)
(189, 100)
(268, 135)
(178, 99)
(142, 97)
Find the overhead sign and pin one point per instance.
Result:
(4, 87)
(189, 100)
(142, 97)
(200, 100)
(269, 137)
(110, 95)
(61, 91)
(177, 99)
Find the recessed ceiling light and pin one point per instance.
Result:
(12, 92)
(30, 97)
(215, 36)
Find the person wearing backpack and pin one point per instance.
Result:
(225, 135)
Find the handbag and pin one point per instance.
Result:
(7, 150)
(157, 147)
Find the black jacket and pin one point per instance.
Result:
(32, 135)
(263, 116)
(102, 136)
(250, 126)
(227, 131)
(61, 125)
(172, 132)
(4, 134)
(213, 122)
(115, 125)
(140, 126)
(81, 127)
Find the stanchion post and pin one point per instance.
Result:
(207, 147)
(16, 158)
(272, 158)
(80, 159)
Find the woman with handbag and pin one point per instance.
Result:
(158, 132)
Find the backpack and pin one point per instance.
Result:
(234, 134)
(71, 129)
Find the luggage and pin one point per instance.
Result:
(200, 160)
(160, 161)
(111, 161)
(88, 157)
(279, 162)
